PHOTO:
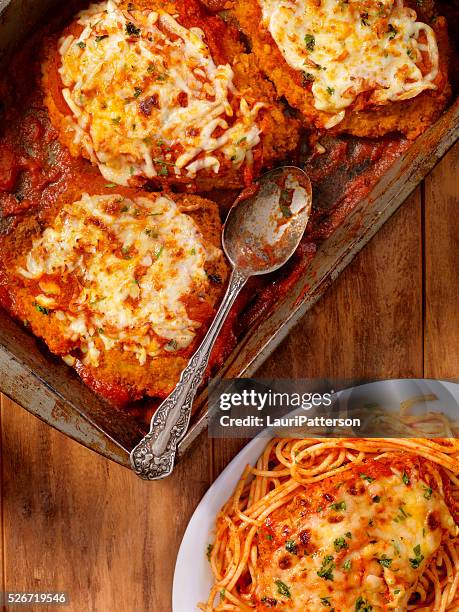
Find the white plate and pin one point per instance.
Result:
(192, 577)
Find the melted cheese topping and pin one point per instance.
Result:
(347, 47)
(116, 273)
(364, 550)
(139, 81)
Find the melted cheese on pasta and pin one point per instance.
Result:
(347, 47)
(139, 80)
(361, 549)
(116, 273)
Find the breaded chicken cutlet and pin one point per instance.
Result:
(363, 67)
(120, 283)
(163, 92)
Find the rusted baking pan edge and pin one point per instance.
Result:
(57, 396)
(335, 254)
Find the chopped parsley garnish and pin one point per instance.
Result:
(347, 565)
(325, 601)
(137, 92)
(282, 589)
(241, 140)
(162, 77)
(402, 514)
(367, 478)
(307, 78)
(125, 251)
(163, 162)
(330, 91)
(269, 537)
(110, 185)
(348, 535)
(392, 31)
(209, 550)
(159, 252)
(291, 547)
(384, 561)
(215, 278)
(131, 29)
(411, 54)
(81, 44)
(310, 42)
(116, 119)
(362, 605)
(269, 601)
(163, 171)
(151, 232)
(397, 591)
(338, 506)
(416, 562)
(102, 37)
(41, 309)
(328, 565)
(364, 19)
(340, 543)
(222, 593)
(428, 492)
(405, 478)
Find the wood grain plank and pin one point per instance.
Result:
(76, 522)
(369, 323)
(441, 204)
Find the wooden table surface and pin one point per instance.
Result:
(75, 522)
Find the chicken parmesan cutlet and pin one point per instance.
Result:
(363, 67)
(356, 541)
(163, 92)
(120, 283)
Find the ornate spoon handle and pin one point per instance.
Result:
(153, 458)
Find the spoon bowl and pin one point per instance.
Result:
(261, 233)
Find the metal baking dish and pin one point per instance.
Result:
(46, 387)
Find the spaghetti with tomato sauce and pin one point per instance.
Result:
(345, 524)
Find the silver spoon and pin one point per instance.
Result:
(260, 234)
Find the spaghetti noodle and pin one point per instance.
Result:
(258, 527)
